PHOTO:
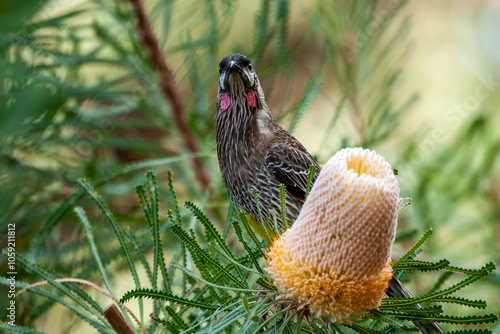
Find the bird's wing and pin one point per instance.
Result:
(291, 167)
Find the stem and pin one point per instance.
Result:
(117, 320)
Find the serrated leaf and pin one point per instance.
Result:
(462, 301)
(471, 331)
(387, 309)
(421, 265)
(430, 296)
(237, 230)
(310, 176)
(174, 197)
(484, 270)
(158, 257)
(249, 229)
(56, 216)
(193, 246)
(282, 189)
(229, 319)
(163, 295)
(210, 230)
(176, 318)
(362, 330)
(412, 250)
(468, 320)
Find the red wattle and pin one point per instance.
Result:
(251, 99)
(225, 102)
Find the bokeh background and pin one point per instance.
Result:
(83, 96)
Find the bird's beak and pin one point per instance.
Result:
(233, 66)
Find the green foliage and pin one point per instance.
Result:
(310, 176)
(81, 98)
(366, 58)
(298, 110)
(228, 294)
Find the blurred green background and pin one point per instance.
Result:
(82, 96)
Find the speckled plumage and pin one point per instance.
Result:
(254, 151)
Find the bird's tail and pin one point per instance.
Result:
(262, 229)
(397, 290)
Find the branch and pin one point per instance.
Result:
(169, 87)
(116, 319)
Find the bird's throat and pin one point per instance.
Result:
(225, 101)
(251, 99)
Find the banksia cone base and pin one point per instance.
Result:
(334, 260)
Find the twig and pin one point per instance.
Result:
(95, 286)
(168, 87)
(117, 320)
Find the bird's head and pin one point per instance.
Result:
(236, 74)
(238, 84)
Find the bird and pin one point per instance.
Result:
(254, 151)
(256, 155)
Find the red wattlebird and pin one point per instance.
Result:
(254, 152)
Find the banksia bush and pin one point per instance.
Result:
(133, 90)
(334, 260)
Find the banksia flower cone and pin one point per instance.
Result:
(334, 260)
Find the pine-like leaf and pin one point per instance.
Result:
(86, 311)
(90, 239)
(92, 193)
(18, 329)
(298, 110)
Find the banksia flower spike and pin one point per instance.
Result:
(334, 261)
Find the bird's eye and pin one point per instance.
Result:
(250, 67)
(220, 71)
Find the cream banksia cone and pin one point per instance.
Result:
(334, 260)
